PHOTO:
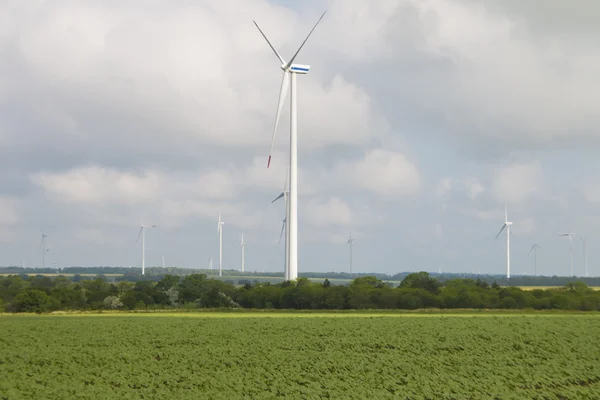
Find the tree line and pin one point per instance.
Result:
(134, 274)
(418, 290)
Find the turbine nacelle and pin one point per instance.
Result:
(296, 68)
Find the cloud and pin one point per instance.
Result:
(97, 185)
(518, 182)
(334, 212)
(383, 172)
(114, 112)
(591, 192)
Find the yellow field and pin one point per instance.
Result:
(551, 287)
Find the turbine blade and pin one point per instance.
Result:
(302, 45)
(285, 83)
(278, 197)
(282, 229)
(531, 249)
(139, 234)
(270, 45)
(503, 226)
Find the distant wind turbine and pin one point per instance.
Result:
(290, 70)
(534, 250)
(44, 249)
(210, 263)
(142, 233)
(585, 258)
(243, 247)
(349, 242)
(570, 235)
(163, 262)
(284, 226)
(506, 225)
(220, 233)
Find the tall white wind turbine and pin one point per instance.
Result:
(585, 259)
(142, 233)
(220, 233)
(570, 235)
(349, 242)
(534, 250)
(290, 70)
(284, 226)
(243, 247)
(210, 263)
(506, 226)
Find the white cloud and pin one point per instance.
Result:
(97, 185)
(591, 192)
(468, 186)
(334, 212)
(384, 173)
(518, 182)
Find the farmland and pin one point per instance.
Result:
(300, 355)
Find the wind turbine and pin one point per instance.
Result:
(506, 225)
(44, 249)
(142, 233)
(584, 242)
(284, 226)
(243, 246)
(534, 249)
(220, 233)
(290, 70)
(570, 235)
(210, 263)
(350, 240)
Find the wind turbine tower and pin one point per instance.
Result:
(220, 233)
(142, 233)
(570, 235)
(290, 70)
(243, 246)
(284, 226)
(44, 250)
(585, 259)
(534, 250)
(349, 242)
(506, 226)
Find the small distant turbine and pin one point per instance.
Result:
(585, 258)
(349, 242)
(142, 233)
(220, 233)
(570, 235)
(44, 249)
(243, 247)
(534, 250)
(506, 225)
(284, 226)
(210, 263)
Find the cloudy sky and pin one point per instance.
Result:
(419, 118)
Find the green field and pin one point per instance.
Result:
(300, 355)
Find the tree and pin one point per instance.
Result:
(34, 300)
(421, 280)
(326, 283)
(113, 303)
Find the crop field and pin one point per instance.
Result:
(301, 355)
